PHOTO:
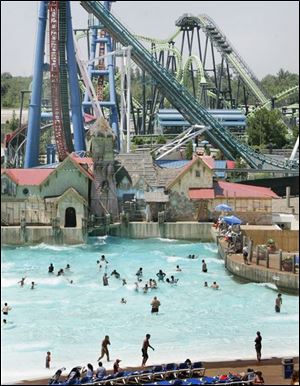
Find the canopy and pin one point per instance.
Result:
(223, 207)
(232, 220)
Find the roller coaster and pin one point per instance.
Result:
(188, 87)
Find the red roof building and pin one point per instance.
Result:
(27, 176)
(222, 189)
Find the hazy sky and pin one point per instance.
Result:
(266, 34)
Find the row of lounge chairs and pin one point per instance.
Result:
(170, 374)
(156, 373)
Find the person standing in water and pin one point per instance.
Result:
(104, 348)
(278, 303)
(22, 281)
(155, 305)
(33, 284)
(105, 279)
(258, 346)
(204, 266)
(5, 309)
(146, 345)
(51, 268)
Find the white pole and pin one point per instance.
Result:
(295, 149)
(128, 96)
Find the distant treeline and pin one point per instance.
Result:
(11, 86)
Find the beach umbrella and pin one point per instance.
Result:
(232, 220)
(222, 208)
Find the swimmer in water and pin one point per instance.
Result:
(68, 267)
(115, 274)
(145, 289)
(124, 282)
(160, 275)
(173, 280)
(139, 273)
(22, 281)
(103, 259)
(33, 284)
(51, 268)
(123, 301)
(214, 285)
(205, 284)
(178, 269)
(136, 286)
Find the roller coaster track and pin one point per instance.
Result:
(55, 80)
(278, 97)
(179, 95)
(234, 59)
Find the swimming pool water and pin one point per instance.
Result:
(70, 320)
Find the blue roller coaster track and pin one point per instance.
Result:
(179, 96)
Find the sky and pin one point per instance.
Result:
(265, 34)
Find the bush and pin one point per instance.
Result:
(161, 140)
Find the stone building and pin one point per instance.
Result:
(41, 195)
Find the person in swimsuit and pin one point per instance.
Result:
(105, 279)
(104, 349)
(161, 275)
(33, 284)
(22, 281)
(155, 305)
(204, 266)
(117, 366)
(278, 303)
(51, 268)
(257, 341)
(48, 359)
(146, 345)
(5, 309)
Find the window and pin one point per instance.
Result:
(198, 174)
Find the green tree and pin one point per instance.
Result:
(189, 150)
(266, 127)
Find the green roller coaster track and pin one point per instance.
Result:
(179, 95)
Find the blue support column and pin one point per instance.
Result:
(91, 65)
(34, 117)
(77, 119)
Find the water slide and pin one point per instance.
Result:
(179, 95)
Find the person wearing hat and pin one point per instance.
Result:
(117, 366)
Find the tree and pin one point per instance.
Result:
(189, 150)
(266, 127)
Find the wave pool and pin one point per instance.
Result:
(195, 322)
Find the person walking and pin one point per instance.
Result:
(146, 345)
(258, 345)
(155, 305)
(245, 254)
(48, 359)
(104, 348)
(278, 303)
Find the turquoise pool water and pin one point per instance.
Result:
(70, 320)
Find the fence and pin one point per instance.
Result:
(286, 240)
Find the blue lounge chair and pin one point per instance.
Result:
(197, 369)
